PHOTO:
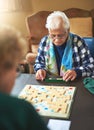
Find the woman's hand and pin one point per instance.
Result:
(69, 75)
(40, 74)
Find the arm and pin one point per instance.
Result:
(83, 63)
(40, 59)
(32, 120)
(40, 67)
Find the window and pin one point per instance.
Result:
(15, 5)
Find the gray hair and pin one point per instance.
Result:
(13, 46)
(57, 19)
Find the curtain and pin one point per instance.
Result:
(14, 5)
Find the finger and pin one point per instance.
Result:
(65, 76)
(38, 75)
(73, 77)
(68, 77)
(43, 74)
(67, 73)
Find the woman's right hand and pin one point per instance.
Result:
(40, 74)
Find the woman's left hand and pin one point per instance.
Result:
(69, 75)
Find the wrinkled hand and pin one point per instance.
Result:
(69, 75)
(40, 74)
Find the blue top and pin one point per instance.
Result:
(59, 51)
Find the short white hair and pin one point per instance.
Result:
(55, 24)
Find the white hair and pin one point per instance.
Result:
(56, 20)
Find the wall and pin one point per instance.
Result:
(61, 4)
(17, 19)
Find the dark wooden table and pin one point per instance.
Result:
(82, 112)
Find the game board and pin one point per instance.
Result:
(52, 101)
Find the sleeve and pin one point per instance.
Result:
(34, 120)
(84, 61)
(40, 59)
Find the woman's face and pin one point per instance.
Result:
(58, 36)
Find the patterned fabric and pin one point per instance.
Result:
(82, 62)
(50, 59)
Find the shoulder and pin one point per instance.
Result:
(78, 40)
(43, 41)
(13, 103)
(19, 114)
(75, 37)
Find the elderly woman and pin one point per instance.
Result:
(61, 52)
(15, 114)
